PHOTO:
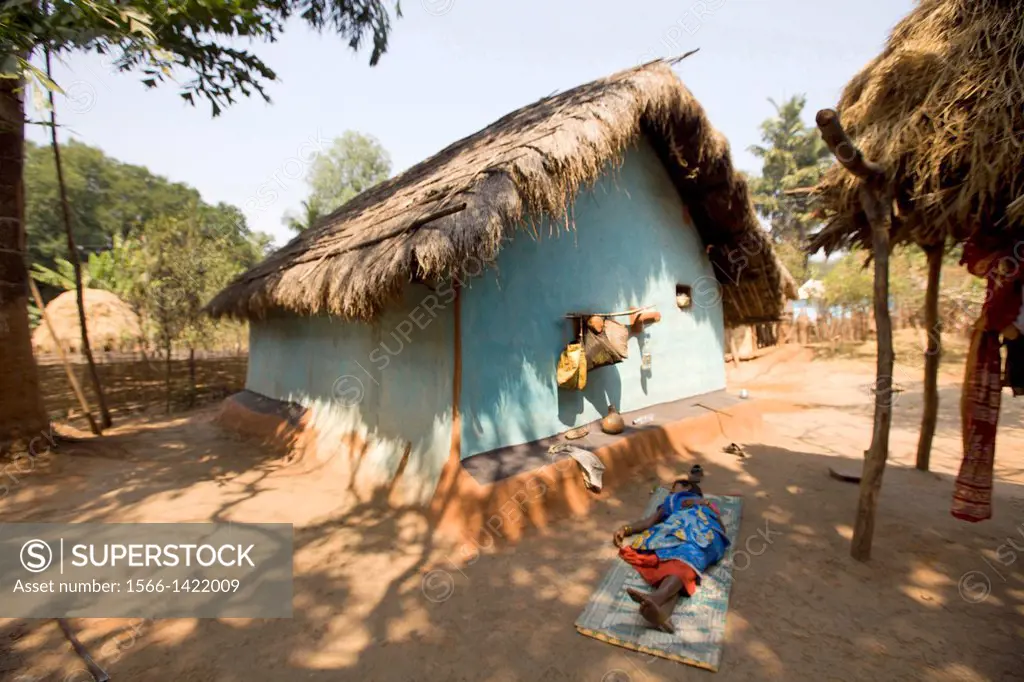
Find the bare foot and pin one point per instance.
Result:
(636, 595)
(657, 616)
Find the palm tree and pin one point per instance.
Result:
(63, 277)
(311, 213)
(793, 157)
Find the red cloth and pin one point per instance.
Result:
(653, 570)
(979, 408)
(982, 389)
(1003, 271)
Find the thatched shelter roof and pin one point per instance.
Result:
(941, 109)
(468, 199)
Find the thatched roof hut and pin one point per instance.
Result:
(940, 108)
(464, 202)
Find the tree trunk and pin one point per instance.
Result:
(191, 377)
(76, 263)
(732, 347)
(802, 235)
(143, 336)
(932, 356)
(167, 371)
(878, 207)
(21, 404)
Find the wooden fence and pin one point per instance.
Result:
(134, 383)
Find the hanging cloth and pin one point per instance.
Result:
(982, 389)
(571, 372)
(572, 368)
(606, 346)
(979, 412)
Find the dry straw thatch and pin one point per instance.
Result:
(113, 325)
(461, 204)
(942, 108)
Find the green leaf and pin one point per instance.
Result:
(39, 100)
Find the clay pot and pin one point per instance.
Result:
(613, 424)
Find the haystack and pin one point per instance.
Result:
(462, 204)
(113, 325)
(941, 108)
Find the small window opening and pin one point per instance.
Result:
(684, 296)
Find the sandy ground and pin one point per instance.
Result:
(375, 599)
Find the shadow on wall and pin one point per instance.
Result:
(632, 245)
(378, 395)
(522, 401)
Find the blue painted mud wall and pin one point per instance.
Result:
(389, 383)
(632, 245)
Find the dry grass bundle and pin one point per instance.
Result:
(113, 325)
(941, 108)
(460, 205)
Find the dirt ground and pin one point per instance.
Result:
(376, 599)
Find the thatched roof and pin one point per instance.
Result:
(467, 200)
(941, 109)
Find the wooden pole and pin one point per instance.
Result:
(75, 261)
(878, 209)
(98, 673)
(191, 376)
(67, 366)
(876, 201)
(732, 347)
(932, 356)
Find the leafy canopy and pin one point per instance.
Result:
(111, 199)
(351, 165)
(196, 43)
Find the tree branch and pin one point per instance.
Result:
(844, 150)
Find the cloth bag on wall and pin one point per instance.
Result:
(606, 346)
(572, 368)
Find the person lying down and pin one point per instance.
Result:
(673, 546)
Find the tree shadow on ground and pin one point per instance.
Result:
(376, 599)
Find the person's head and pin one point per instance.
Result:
(683, 485)
(691, 483)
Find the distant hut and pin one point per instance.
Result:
(935, 128)
(420, 325)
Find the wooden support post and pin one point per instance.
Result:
(932, 356)
(876, 201)
(878, 209)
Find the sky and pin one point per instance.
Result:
(453, 67)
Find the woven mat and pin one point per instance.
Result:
(611, 616)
